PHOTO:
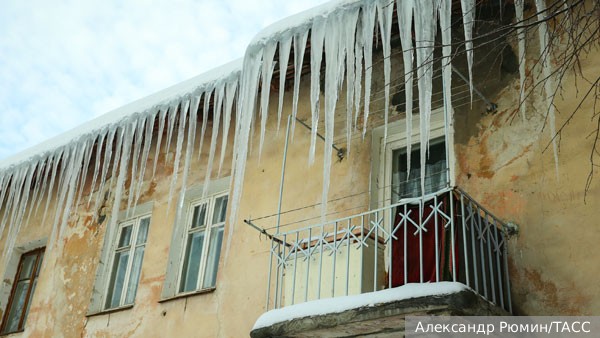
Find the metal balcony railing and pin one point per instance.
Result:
(446, 236)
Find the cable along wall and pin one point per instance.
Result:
(344, 31)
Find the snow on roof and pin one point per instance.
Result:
(341, 304)
(165, 97)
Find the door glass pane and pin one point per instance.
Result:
(143, 231)
(191, 263)
(220, 210)
(214, 252)
(125, 237)
(199, 216)
(405, 185)
(27, 266)
(16, 308)
(118, 278)
(134, 276)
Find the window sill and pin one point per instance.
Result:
(9, 334)
(188, 294)
(109, 311)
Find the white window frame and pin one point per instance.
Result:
(208, 228)
(193, 196)
(98, 302)
(382, 152)
(133, 245)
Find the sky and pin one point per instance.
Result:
(65, 62)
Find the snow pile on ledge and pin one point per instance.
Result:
(341, 304)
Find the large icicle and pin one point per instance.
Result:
(368, 25)
(445, 14)
(230, 96)
(549, 86)
(189, 151)
(265, 90)
(332, 75)
(180, 137)
(285, 46)
(99, 147)
(161, 128)
(350, 22)
(385, 11)
(145, 154)
(207, 95)
(468, 12)
(405, 23)
(317, 37)
(299, 47)
(217, 107)
(522, 60)
(425, 20)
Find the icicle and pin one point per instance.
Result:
(265, 90)
(87, 156)
(368, 21)
(189, 151)
(207, 95)
(445, 14)
(43, 184)
(358, 65)
(332, 74)
(179, 145)
(105, 166)
(285, 46)
(425, 20)
(468, 12)
(405, 23)
(385, 11)
(145, 153)
(161, 128)
(99, 146)
(219, 93)
(230, 95)
(36, 189)
(57, 160)
(522, 60)
(14, 199)
(299, 47)
(317, 37)
(140, 125)
(246, 104)
(171, 123)
(549, 86)
(350, 22)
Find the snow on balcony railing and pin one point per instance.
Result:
(446, 236)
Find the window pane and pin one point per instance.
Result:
(404, 185)
(16, 308)
(214, 252)
(118, 277)
(134, 276)
(199, 216)
(143, 231)
(29, 300)
(39, 265)
(125, 237)
(191, 264)
(220, 210)
(27, 266)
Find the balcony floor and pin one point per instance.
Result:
(376, 314)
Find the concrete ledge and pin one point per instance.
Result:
(382, 320)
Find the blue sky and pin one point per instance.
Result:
(65, 62)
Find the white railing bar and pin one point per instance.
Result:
(491, 266)
(320, 260)
(405, 220)
(499, 269)
(294, 275)
(335, 231)
(507, 277)
(483, 269)
(452, 239)
(437, 250)
(421, 207)
(269, 276)
(307, 266)
(473, 249)
(349, 227)
(464, 239)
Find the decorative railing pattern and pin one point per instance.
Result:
(446, 236)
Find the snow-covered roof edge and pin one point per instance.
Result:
(163, 98)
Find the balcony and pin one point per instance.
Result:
(397, 252)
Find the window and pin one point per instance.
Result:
(22, 291)
(197, 239)
(436, 169)
(120, 264)
(128, 253)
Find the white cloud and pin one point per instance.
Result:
(62, 63)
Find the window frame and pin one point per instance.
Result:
(135, 222)
(194, 194)
(98, 297)
(382, 151)
(208, 227)
(33, 278)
